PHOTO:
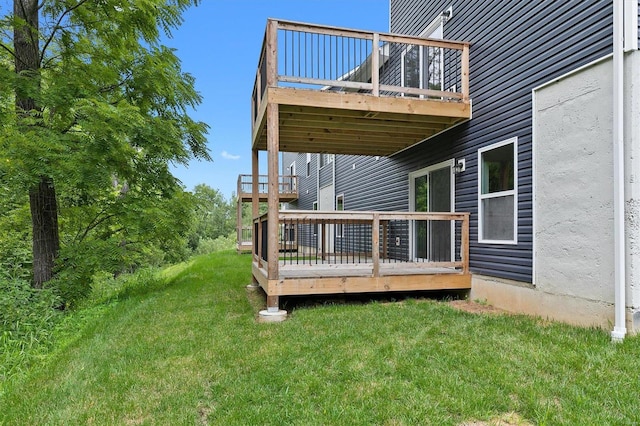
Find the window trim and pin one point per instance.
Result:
(330, 158)
(308, 164)
(514, 192)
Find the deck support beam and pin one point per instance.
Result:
(255, 205)
(273, 202)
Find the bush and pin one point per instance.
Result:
(27, 319)
(208, 245)
(106, 287)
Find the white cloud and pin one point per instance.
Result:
(228, 156)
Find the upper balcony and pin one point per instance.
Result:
(287, 188)
(345, 91)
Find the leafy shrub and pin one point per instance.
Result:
(106, 287)
(208, 245)
(27, 319)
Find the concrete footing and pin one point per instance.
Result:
(272, 316)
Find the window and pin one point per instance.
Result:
(422, 67)
(497, 193)
(308, 164)
(326, 159)
(340, 207)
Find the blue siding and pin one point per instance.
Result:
(515, 46)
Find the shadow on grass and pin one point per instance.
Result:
(292, 303)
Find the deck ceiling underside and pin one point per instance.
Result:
(360, 124)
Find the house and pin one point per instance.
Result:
(484, 148)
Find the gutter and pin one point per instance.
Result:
(619, 330)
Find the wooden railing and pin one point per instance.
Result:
(328, 58)
(286, 184)
(369, 243)
(246, 235)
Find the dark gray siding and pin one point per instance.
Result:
(307, 185)
(516, 46)
(325, 175)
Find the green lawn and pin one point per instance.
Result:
(192, 353)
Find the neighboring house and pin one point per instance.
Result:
(533, 166)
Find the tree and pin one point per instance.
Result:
(214, 216)
(96, 99)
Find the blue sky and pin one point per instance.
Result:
(219, 43)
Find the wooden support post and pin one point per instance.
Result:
(239, 222)
(375, 244)
(255, 201)
(465, 73)
(273, 143)
(273, 303)
(273, 194)
(375, 65)
(464, 243)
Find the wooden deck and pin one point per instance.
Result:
(352, 280)
(354, 110)
(334, 90)
(287, 188)
(318, 269)
(287, 192)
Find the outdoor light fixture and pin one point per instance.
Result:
(460, 166)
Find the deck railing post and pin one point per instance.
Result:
(375, 244)
(239, 222)
(375, 65)
(464, 73)
(464, 242)
(323, 241)
(272, 53)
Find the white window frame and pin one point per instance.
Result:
(412, 201)
(308, 164)
(507, 193)
(329, 159)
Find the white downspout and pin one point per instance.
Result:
(619, 329)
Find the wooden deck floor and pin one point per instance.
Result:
(334, 279)
(357, 270)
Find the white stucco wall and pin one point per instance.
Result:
(573, 201)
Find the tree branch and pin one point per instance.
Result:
(11, 52)
(94, 223)
(57, 26)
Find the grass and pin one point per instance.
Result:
(190, 352)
